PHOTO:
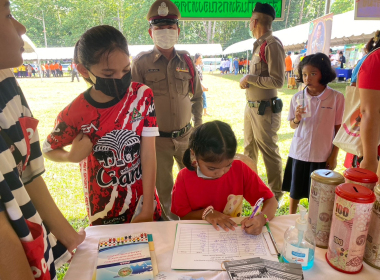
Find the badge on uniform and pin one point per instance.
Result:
(163, 10)
(182, 70)
(153, 70)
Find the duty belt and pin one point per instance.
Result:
(255, 104)
(176, 133)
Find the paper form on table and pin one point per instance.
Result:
(201, 247)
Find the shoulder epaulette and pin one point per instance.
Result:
(184, 52)
(142, 54)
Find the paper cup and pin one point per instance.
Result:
(305, 104)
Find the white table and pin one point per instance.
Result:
(83, 263)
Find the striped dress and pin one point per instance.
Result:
(20, 162)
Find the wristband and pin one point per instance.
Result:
(266, 217)
(207, 211)
(296, 122)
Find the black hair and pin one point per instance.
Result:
(320, 61)
(96, 42)
(373, 43)
(211, 142)
(196, 56)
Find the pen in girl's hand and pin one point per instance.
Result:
(256, 207)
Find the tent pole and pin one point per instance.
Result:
(327, 7)
(39, 66)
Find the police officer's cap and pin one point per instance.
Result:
(163, 12)
(265, 9)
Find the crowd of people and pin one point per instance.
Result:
(51, 69)
(131, 124)
(235, 65)
(25, 71)
(47, 70)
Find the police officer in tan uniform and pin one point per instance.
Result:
(262, 116)
(177, 94)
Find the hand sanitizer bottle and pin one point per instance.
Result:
(299, 242)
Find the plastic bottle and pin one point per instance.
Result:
(299, 242)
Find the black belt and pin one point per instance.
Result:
(176, 133)
(255, 104)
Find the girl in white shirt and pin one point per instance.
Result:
(316, 115)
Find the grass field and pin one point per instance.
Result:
(226, 102)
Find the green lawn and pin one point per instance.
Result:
(225, 101)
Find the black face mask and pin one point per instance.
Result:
(113, 87)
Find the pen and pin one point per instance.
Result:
(273, 241)
(152, 254)
(256, 207)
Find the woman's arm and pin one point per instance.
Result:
(216, 218)
(370, 127)
(331, 162)
(148, 166)
(13, 261)
(52, 216)
(80, 149)
(297, 117)
(194, 215)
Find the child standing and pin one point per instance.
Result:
(112, 128)
(213, 184)
(30, 221)
(199, 64)
(312, 147)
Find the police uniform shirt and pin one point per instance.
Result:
(170, 82)
(266, 77)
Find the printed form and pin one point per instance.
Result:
(201, 247)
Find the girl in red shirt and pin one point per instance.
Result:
(369, 89)
(213, 184)
(112, 128)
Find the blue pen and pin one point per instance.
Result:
(256, 207)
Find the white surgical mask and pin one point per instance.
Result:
(165, 38)
(201, 175)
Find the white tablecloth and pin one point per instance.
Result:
(83, 263)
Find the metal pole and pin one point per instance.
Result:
(39, 66)
(327, 7)
(43, 22)
(118, 19)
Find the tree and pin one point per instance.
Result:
(342, 6)
(67, 20)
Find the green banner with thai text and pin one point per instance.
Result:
(224, 9)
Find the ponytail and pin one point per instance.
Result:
(186, 160)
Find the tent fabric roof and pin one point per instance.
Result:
(68, 53)
(345, 30)
(29, 47)
(50, 54)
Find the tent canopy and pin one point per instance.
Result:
(29, 47)
(345, 30)
(68, 53)
(50, 54)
